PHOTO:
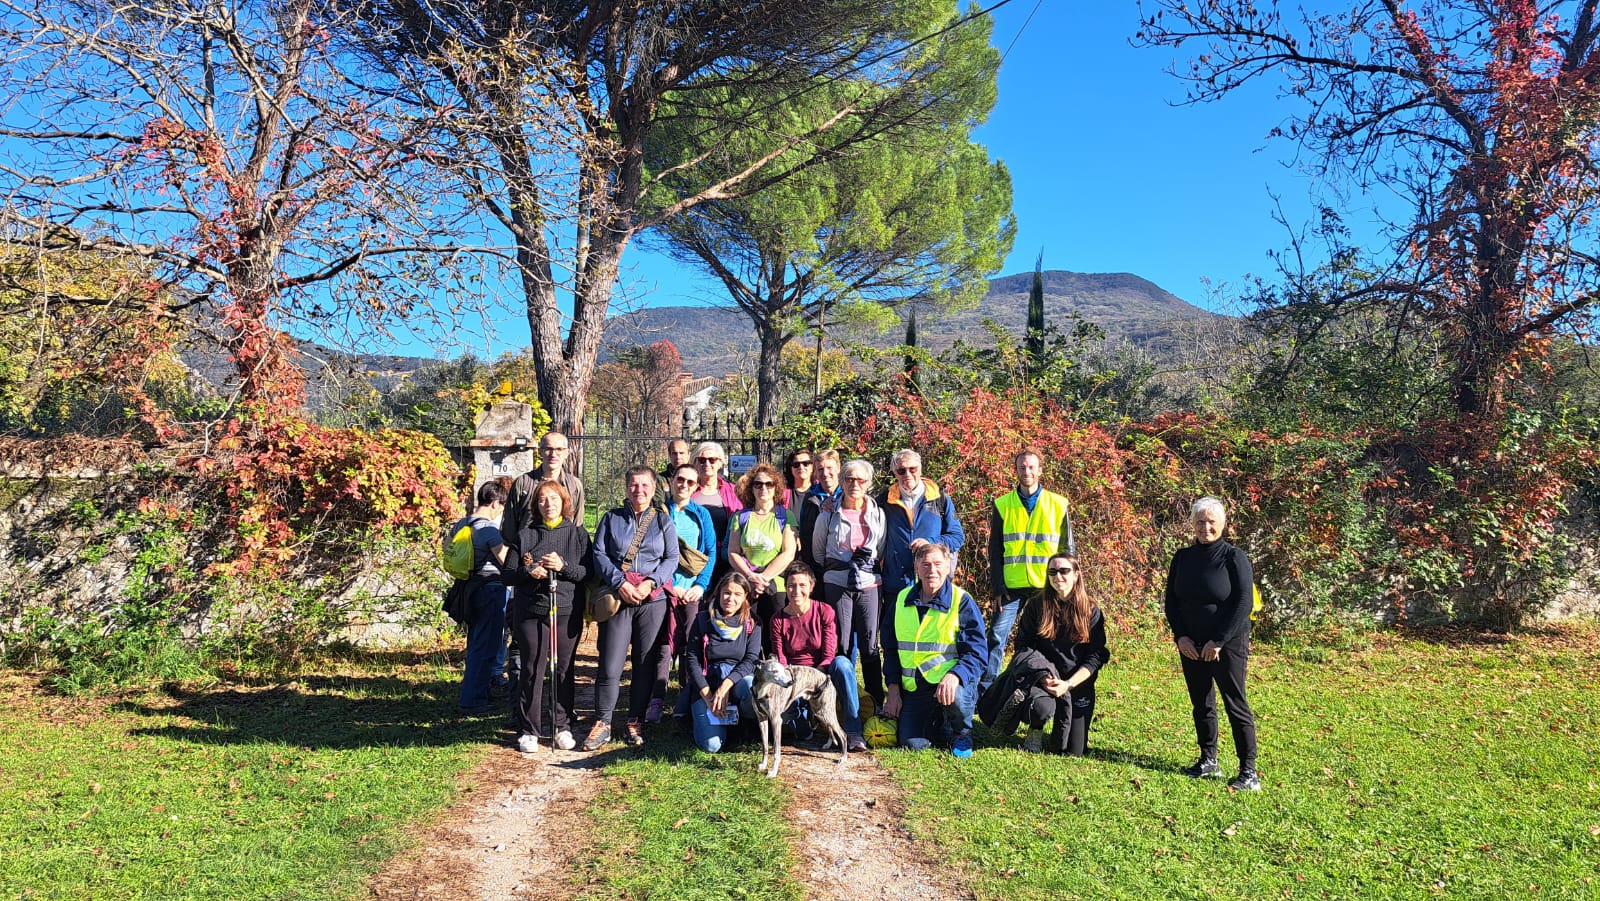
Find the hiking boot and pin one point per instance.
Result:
(528, 743)
(652, 714)
(962, 746)
(599, 737)
(1010, 713)
(635, 733)
(1246, 781)
(1204, 768)
(564, 740)
(476, 710)
(858, 745)
(1034, 743)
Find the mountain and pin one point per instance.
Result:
(715, 341)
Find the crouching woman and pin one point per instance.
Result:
(1068, 630)
(720, 654)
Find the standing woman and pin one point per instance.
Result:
(848, 539)
(553, 556)
(697, 548)
(1068, 629)
(1210, 592)
(797, 470)
(718, 496)
(635, 555)
(723, 647)
(761, 540)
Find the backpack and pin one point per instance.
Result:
(456, 556)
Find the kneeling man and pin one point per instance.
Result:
(934, 653)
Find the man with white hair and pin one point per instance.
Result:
(916, 513)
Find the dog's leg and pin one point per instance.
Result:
(776, 725)
(761, 727)
(829, 718)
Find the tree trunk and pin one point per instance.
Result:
(768, 375)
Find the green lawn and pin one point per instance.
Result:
(1407, 770)
(293, 791)
(1396, 768)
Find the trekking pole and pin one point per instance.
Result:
(552, 676)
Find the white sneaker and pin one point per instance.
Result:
(528, 743)
(564, 740)
(1034, 743)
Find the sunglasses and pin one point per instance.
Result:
(1063, 571)
(765, 484)
(905, 469)
(708, 459)
(854, 479)
(799, 463)
(683, 481)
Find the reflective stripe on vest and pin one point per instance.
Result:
(1028, 541)
(928, 643)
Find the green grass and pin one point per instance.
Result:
(674, 823)
(1407, 769)
(294, 791)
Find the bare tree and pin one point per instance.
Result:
(218, 147)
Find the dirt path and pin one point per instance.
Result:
(518, 829)
(853, 841)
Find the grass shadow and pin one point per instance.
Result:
(320, 712)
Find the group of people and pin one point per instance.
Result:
(806, 563)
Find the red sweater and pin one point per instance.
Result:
(807, 640)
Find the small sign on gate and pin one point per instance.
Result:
(739, 464)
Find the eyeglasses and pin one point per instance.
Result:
(1063, 571)
(683, 481)
(905, 469)
(708, 459)
(854, 479)
(764, 484)
(553, 449)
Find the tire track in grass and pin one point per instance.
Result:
(854, 843)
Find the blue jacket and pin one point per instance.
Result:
(657, 559)
(972, 645)
(935, 520)
(706, 545)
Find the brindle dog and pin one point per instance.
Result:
(778, 686)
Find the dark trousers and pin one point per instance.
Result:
(1070, 717)
(533, 652)
(1225, 675)
(857, 611)
(639, 628)
(766, 606)
(675, 630)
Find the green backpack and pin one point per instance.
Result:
(456, 556)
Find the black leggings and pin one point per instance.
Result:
(639, 628)
(856, 612)
(533, 652)
(1070, 715)
(1227, 674)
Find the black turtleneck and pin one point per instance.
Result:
(1209, 593)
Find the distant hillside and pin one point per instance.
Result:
(714, 341)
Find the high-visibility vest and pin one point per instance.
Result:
(927, 643)
(1027, 541)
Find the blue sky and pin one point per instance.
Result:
(1108, 174)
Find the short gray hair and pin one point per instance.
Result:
(901, 455)
(701, 448)
(1209, 502)
(858, 465)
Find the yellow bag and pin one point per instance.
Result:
(879, 732)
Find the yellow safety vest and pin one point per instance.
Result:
(928, 643)
(1027, 542)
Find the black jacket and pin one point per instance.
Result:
(532, 596)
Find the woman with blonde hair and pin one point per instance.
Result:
(1068, 630)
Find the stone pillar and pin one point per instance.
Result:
(504, 442)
